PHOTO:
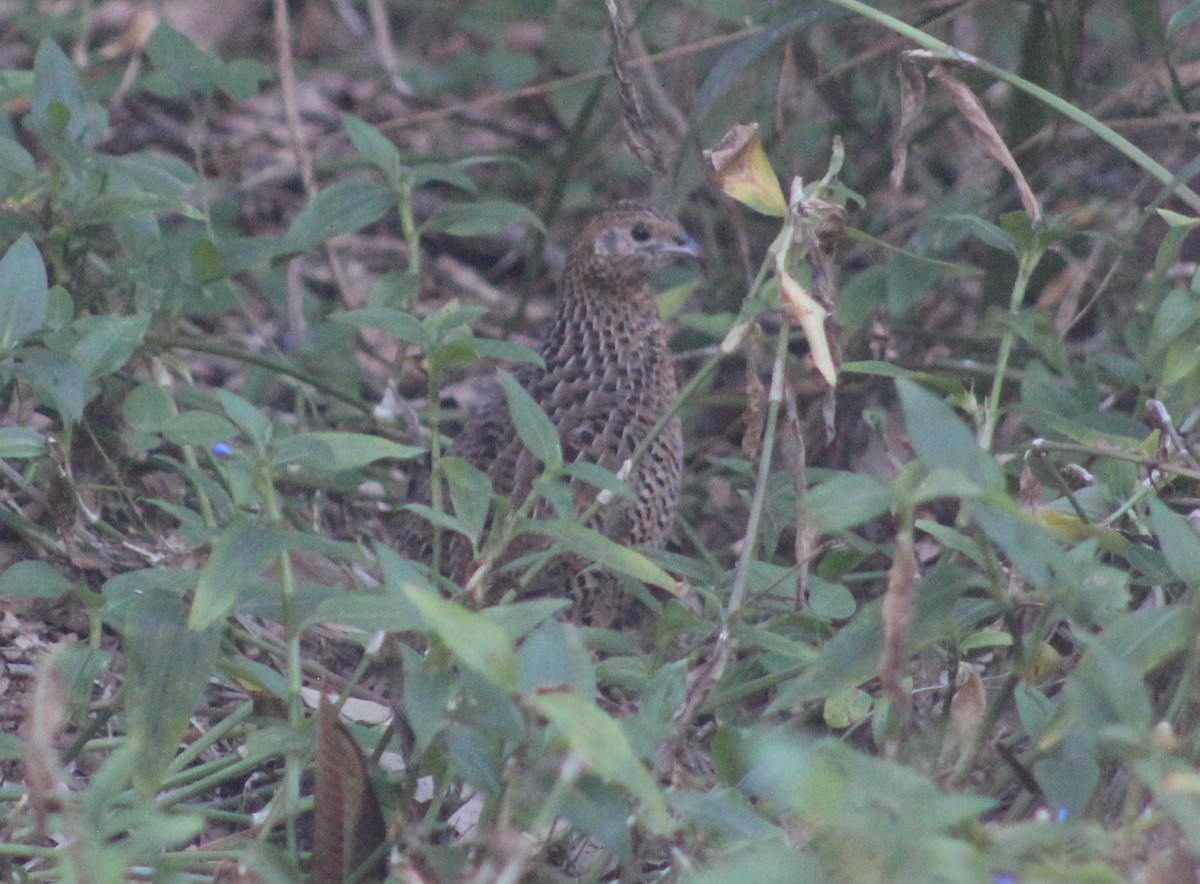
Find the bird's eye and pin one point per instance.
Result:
(640, 232)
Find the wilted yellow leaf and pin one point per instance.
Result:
(741, 169)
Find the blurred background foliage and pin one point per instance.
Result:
(945, 634)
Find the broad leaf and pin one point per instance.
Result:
(478, 642)
(598, 741)
(24, 293)
(533, 427)
(333, 451)
(167, 666)
(341, 208)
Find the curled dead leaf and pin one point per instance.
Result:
(740, 167)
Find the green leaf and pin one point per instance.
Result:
(470, 493)
(845, 500)
(1178, 312)
(167, 667)
(208, 264)
(594, 546)
(1180, 545)
(442, 520)
(56, 379)
(1033, 550)
(334, 451)
(940, 482)
(852, 656)
(482, 218)
(199, 428)
(994, 236)
(1181, 362)
(15, 159)
(1067, 782)
(553, 658)
(374, 146)
(1111, 689)
(249, 419)
(15, 85)
(21, 442)
(1181, 18)
(473, 638)
(393, 290)
(32, 580)
(600, 744)
(909, 278)
(453, 174)
(830, 601)
(241, 78)
(147, 408)
(518, 618)
(239, 555)
(190, 67)
(61, 114)
(985, 638)
(343, 207)
(12, 748)
(846, 706)
(107, 342)
(1150, 637)
(24, 292)
(942, 440)
(396, 323)
(533, 427)
(598, 477)
(370, 612)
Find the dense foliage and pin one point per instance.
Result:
(936, 626)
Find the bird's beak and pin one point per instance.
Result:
(684, 245)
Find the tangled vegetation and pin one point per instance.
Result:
(930, 608)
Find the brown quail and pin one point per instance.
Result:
(607, 380)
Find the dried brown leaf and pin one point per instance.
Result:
(967, 711)
(912, 102)
(989, 139)
(898, 605)
(638, 131)
(348, 824)
(47, 713)
(756, 395)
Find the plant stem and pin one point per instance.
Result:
(1025, 267)
(758, 503)
(291, 631)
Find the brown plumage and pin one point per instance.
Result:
(607, 380)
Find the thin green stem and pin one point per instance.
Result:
(758, 503)
(214, 734)
(1025, 267)
(225, 774)
(435, 456)
(291, 630)
(1150, 463)
(412, 234)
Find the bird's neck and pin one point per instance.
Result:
(588, 315)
